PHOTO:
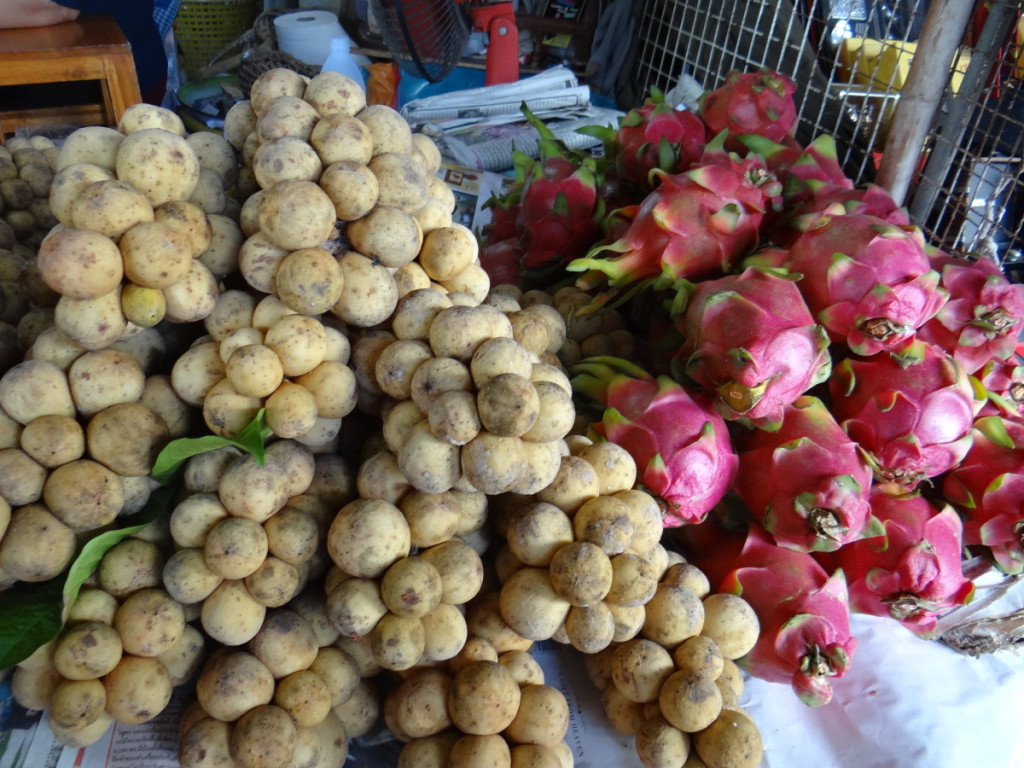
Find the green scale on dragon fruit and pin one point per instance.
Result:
(1003, 381)
(681, 446)
(988, 489)
(694, 225)
(807, 483)
(870, 283)
(911, 413)
(804, 612)
(751, 343)
(912, 571)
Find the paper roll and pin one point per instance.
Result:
(306, 35)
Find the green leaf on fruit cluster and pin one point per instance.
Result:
(33, 614)
(174, 455)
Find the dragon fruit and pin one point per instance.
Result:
(837, 200)
(803, 171)
(758, 103)
(910, 413)
(680, 445)
(868, 282)
(559, 212)
(693, 225)
(1003, 381)
(751, 342)
(552, 206)
(988, 489)
(807, 483)
(653, 137)
(504, 222)
(503, 261)
(804, 612)
(912, 572)
(982, 318)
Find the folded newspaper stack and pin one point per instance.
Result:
(480, 127)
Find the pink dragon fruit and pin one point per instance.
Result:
(804, 612)
(912, 572)
(504, 223)
(559, 212)
(988, 489)
(693, 225)
(803, 171)
(868, 282)
(758, 103)
(982, 318)
(807, 483)
(1003, 381)
(911, 413)
(831, 200)
(656, 136)
(681, 446)
(751, 342)
(502, 260)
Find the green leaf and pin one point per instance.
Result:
(177, 452)
(30, 616)
(93, 551)
(603, 132)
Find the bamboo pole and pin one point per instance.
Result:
(943, 29)
(957, 115)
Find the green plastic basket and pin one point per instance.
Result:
(203, 28)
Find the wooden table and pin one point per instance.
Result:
(90, 48)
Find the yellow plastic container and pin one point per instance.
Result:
(883, 66)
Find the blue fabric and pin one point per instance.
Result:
(164, 14)
(135, 18)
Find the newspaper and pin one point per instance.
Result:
(481, 127)
(472, 189)
(490, 148)
(553, 90)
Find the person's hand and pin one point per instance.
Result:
(16, 14)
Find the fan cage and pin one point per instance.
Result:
(425, 37)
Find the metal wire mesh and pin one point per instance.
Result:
(850, 59)
(970, 195)
(844, 87)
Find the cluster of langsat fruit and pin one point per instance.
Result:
(591, 332)
(121, 651)
(27, 166)
(582, 564)
(325, 278)
(482, 712)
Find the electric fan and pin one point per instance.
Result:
(427, 37)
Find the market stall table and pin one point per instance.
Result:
(91, 48)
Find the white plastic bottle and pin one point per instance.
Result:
(340, 59)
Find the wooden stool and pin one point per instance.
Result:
(90, 48)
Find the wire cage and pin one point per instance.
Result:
(970, 194)
(850, 60)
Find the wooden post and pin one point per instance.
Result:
(943, 30)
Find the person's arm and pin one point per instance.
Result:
(33, 13)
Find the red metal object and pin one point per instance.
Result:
(498, 20)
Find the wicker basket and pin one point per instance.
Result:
(204, 27)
